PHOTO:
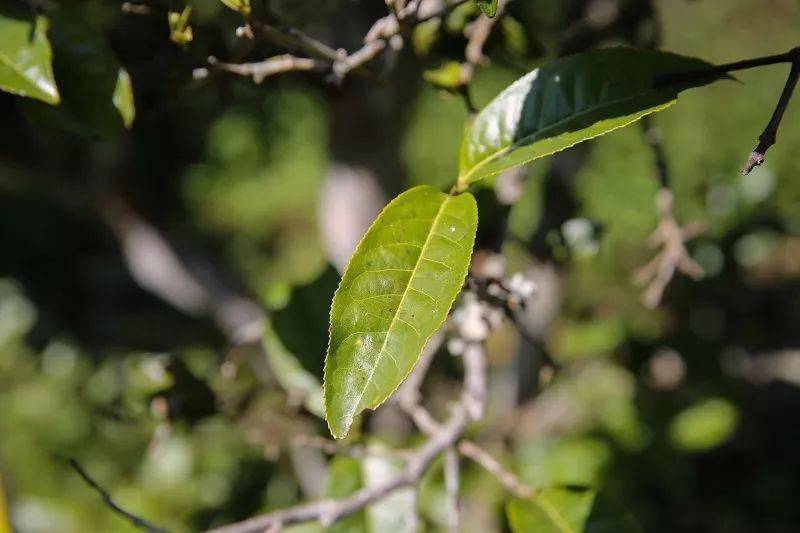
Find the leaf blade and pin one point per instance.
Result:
(26, 59)
(569, 101)
(395, 293)
(551, 511)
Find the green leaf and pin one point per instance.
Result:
(704, 425)
(551, 511)
(395, 293)
(488, 7)
(26, 59)
(123, 98)
(567, 102)
(447, 77)
(242, 6)
(96, 94)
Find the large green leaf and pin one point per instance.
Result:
(569, 101)
(25, 59)
(551, 511)
(395, 293)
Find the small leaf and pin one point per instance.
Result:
(488, 7)
(96, 95)
(704, 425)
(448, 77)
(395, 293)
(567, 102)
(123, 98)
(26, 59)
(242, 6)
(180, 31)
(551, 511)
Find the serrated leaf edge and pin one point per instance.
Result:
(330, 313)
(464, 179)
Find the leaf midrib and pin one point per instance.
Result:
(464, 178)
(402, 299)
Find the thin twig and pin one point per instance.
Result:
(770, 133)
(269, 67)
(329, 510)
(477, 33)
(339, 61)
(671, 237)
(451, 483)
(506, 478)
(132, 518)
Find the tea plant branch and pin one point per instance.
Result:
(507, 479)
(141, 523)
(261, 70)
(769, 135)
(329, 510)
(338, 61)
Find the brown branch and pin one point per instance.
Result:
(141, 523)
(329, 510)
(506, 478)
(263, 69)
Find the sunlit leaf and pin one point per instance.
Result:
(123, 98)
(551, 511)
(180, 31)
(26, 59)
(569, 101)
(488, 7)
(242, 6)
(96, 96)
(395, 293)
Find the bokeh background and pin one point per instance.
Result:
(137, 268)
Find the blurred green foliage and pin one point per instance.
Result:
(191, 432)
